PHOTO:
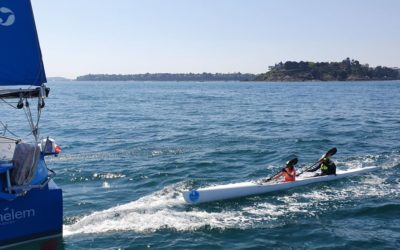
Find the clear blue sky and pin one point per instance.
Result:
(128, 36)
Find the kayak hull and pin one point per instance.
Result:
(236, 190)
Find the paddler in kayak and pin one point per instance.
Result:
(327, 166)
(289, 172)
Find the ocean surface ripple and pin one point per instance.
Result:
(131, 148)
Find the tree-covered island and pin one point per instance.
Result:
(346, 70)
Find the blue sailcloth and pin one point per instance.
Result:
(20, 56)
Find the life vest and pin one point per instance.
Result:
(289, 178)
(328, 167)
(324, 167)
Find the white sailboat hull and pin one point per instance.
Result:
(236, 190)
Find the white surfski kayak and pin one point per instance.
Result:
(236, 190)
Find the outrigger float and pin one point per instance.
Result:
(31, 206)
(237, 190)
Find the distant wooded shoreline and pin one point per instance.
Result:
(169, 77)
(346, 70)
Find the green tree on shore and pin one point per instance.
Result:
(348, 69)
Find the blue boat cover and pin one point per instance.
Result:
(20, 56)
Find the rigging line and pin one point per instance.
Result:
(39, 113)
(28, 115)
(36, 126)
(8, 103)
(6, 129)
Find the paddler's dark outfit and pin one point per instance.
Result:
(327, 167)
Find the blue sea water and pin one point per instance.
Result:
(131, 148)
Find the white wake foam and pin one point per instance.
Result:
(166, 209)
